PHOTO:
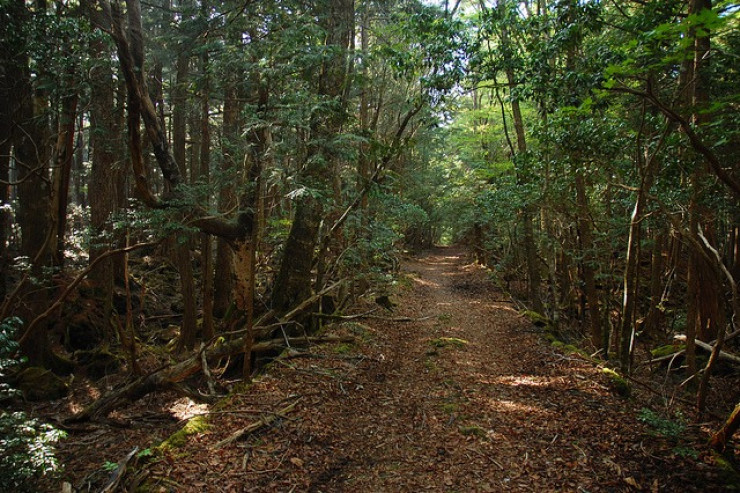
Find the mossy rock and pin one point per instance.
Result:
(39, 384)
(195, 425)
(617, 383)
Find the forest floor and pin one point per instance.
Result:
(468, 396)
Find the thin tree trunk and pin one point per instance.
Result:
(63, 157)
(585, 231)
(7, 111)
(189, 326)
(206, 243)
(654, 318)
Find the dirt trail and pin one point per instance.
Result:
(470, 399)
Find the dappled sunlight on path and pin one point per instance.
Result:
(466, 397)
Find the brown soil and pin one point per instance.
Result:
(469, 397)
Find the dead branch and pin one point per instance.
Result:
(279, 344)
(171, 376)
(719, 439)
(703, 345)
(263, 422)
(723, 355)
(374, 317)
(118, 473)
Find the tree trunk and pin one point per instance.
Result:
(654, 318)
(585, 232)
(226, 200)
(31, 145)
(181, 247)
(101, 189)
(7, 114)
(63, 157)
(531, 256)
(696, 79)
(206, 243)
(293, 282)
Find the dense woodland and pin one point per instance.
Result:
(191, 180)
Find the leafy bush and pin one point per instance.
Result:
(27, 445)
(662, 426)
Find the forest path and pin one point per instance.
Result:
(468, 399)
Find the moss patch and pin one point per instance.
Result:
(537, 319)
(666, 350)
(617, 383)
(449, 407)
(195, 425)
(342, 348)
(472, 430)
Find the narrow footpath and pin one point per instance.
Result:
(466, 397)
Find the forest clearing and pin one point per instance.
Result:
(373, 245)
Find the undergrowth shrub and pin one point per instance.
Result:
(26, 445)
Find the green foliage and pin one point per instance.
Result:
(672, 429)
(27, 445)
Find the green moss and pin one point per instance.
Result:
(472, 430)
(195, 425)
(430, 365)
(537, 318)
(448, 341)
(342, 348)
(570, 348)
(405, 282)
(666, 350)
(449, 407)
(728, 471)
(617, 383)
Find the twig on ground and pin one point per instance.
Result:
(259, 424)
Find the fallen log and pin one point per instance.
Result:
(168, 377)
(701, 344)
(279, 343)
(723, 355)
